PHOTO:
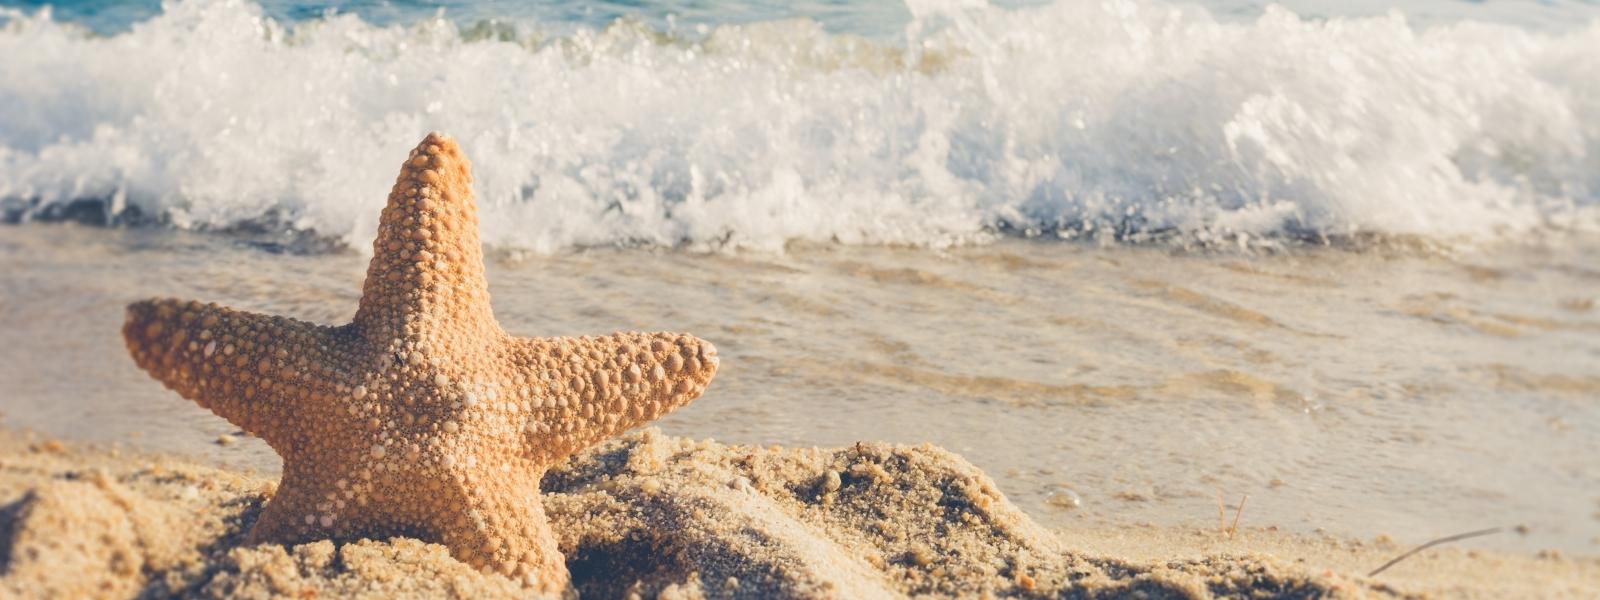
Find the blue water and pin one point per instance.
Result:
(872, 18)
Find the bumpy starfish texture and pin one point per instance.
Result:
(422, 417)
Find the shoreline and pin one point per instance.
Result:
(660, 516)
(1362, 394)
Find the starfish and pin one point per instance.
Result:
(422, 417)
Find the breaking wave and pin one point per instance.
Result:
(1123, 118)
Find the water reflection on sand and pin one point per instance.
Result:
(1369, 391)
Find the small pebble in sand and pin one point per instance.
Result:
(1025, 582)
(831, 482)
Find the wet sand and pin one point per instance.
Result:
(1362, 391)
(651, 515)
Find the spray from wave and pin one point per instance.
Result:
(1128, 119)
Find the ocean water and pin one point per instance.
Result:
(936, 123)
(1124, 255)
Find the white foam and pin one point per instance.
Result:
(1137, 117)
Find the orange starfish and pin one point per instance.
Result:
(422, 417)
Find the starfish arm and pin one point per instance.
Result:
(297, 513)
(427, 259)
(503, 529)
(256, 371)
(582, 390)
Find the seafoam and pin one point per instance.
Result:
(1120, 119)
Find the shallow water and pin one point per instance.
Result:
(1362, 391)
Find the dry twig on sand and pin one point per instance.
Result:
(1222, 516)
(1443, 540)
(1234, 529)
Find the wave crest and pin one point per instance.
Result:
(1122, 118)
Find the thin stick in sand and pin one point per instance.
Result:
(1443, 540)
(1222, 516)
(1233, 530)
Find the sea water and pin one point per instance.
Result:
(1120, 119)
(1337, 257)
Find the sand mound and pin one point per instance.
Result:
(643, 516)
(654, 515)
(101, 533)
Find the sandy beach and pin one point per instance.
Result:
(746, 299)
(654, 516)
(135, 493)
(1357, 392)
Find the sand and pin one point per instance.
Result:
(653, 516)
